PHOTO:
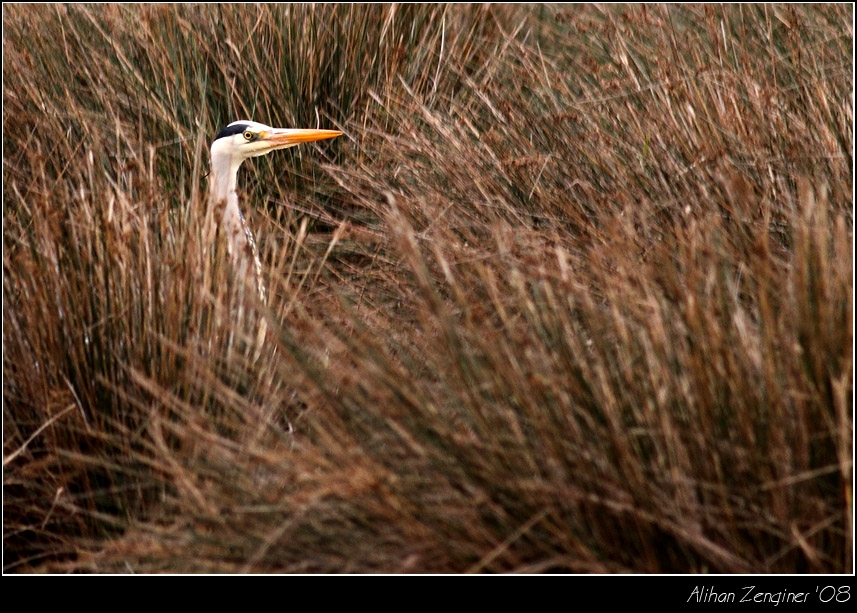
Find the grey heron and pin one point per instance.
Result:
(235, 143)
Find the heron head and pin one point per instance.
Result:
(245, 139)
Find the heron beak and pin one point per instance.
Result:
(280, 138)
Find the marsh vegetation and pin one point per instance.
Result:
(573, 293)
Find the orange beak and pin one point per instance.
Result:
(279, 138)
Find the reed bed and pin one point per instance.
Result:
(573, 293)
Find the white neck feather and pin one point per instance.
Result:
(224, 197)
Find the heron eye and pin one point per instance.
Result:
(248, 135)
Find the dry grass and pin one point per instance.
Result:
(574, 293)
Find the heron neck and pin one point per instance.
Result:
(223, 179)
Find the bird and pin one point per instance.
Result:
(241, 140)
